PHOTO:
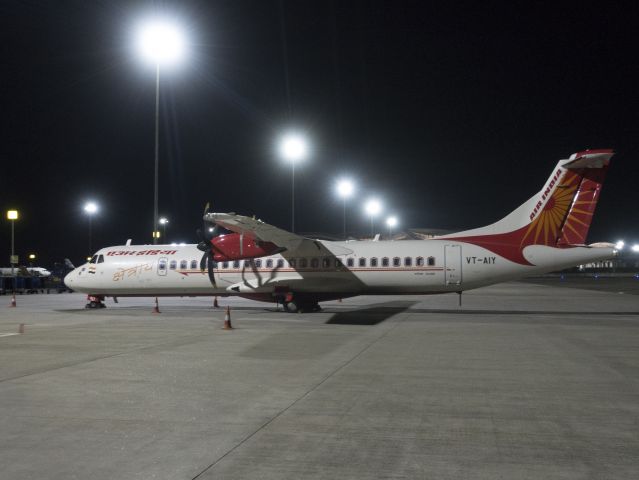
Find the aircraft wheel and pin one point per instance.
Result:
(291, 307)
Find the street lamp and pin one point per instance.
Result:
(160, 42)
(90, 208)
(163, 221)
(373, 207)
(12, 215)
(391, 222)
(345, 189)
(293, 148)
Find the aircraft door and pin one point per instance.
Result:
(162, 265)
(453, 264)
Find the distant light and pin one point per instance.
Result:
(174, 244)
(373, 207)
(293, 147)
(181, 244)
(635, 247)
(90, 208)
(391, 222)
(155, 234)
(32, 256)
(161, 42)
(211, 229)
(619, 245)
(163, 221)
(12, 215)
(345, 188)
(88, 259)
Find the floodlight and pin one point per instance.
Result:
(163, 221)
(161, 42)
(293, 147)
(619, 245)
(373, 207)
(90, 208)
(391, 222)
(32, 256)
(635, 247)
(345, 188)
(12, 215)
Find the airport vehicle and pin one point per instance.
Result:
(25, 271)
(243, 256)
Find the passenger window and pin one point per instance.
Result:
(314, 262)
(431, 261)
(338, 263)
(396, 262)
(258, 263)
(269, 263)
(408, 261)
(292, 262)
(385, 262)
(350, 262)
(193, 264)
(280, 263)
(362, 262)
(303, 263)
(173, 264)
(225, 265)
(236, 264)
(183, 264)
(247, 264)
(162, 264)
(419, 261)
(326, 262)
(373, 262)
(100, 258)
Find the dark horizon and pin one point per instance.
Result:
(454, 117)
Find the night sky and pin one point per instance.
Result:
(453, 115)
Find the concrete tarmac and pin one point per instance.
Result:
(524, 381)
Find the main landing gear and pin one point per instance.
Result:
(295, 304)
(95, 301)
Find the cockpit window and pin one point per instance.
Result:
(100, 258)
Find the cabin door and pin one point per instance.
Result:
(162, 264)
(453, 264)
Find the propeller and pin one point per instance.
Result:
(208, 231)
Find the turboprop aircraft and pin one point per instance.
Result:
(243, 256)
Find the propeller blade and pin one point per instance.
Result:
(210, 270)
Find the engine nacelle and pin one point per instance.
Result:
(235, 247)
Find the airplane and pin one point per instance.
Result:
(25, 271)
(243, 256)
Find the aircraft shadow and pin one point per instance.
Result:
(373, 315)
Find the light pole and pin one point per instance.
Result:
(163, 221)
(373, 207)
(12, 215)
(90, 208)
(293, 148)
(161, 43)
(391, 222)
(345, 189)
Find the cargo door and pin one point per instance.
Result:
(453, 264)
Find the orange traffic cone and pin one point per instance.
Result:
(13, 301)
(156, 309)
(21, 328)
(215, 304)
(227, 319)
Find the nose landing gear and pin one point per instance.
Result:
(95, 301)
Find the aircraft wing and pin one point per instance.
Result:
(268, 233)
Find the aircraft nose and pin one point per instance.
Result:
(69, 279)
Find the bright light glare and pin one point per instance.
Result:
(345, 188)
(161, 42)
(635, 247)
(373, 207)
(163, 221)
(619, 245)
(293, 147)
(12, 215)
(90, 208)
(391, 222)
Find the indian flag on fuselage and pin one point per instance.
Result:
(558, 216)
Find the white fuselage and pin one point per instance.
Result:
(383, 267)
